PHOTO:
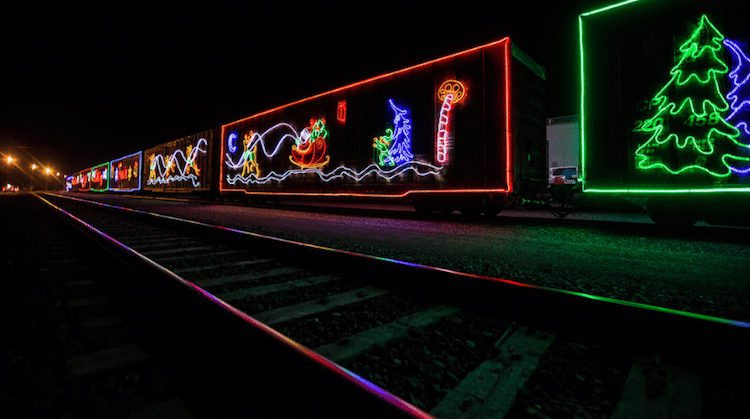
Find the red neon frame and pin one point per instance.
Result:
(505, 42)
(88, 181)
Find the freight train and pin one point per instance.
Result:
(664, 114)
(465, 131)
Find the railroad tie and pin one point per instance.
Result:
(106, 360)
(490, 390)
(655, 390)
(288, 313)
(268, 289)
(352, 347)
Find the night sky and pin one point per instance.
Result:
(83, 86)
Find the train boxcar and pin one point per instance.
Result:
(125, 173)
(664, 107)
(100, 178)
(182, 166)
(466, 131)
(80, 181)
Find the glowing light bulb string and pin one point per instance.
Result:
(162, 171)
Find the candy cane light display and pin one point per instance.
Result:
(450, 93)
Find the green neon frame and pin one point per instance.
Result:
(585, 150)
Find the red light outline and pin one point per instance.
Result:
(505, 42)
(508, 139)
(88, 182)
(341, 111)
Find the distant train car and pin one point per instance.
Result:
(100, 178)
(182, 166)
(665, 107)
(466, 132)
(125, 173)
(80, 181)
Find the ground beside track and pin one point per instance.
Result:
(700, 269)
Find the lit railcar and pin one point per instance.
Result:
(185, 165)
(665, 107)
(79, 181)
(100, 178)
(466, 131)
(125, 173)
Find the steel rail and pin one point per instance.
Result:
(243, 359)
(688, 337)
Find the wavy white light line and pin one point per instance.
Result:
(162, 168)
(341, 172)
(260, 138)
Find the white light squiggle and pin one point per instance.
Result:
(158, 165)
(341, 172)
(260, 138)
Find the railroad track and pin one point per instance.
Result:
(69, 350)
(453, 346)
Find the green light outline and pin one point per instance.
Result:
(690, 50)
(106, 188)
(604, 9)
(583, 173)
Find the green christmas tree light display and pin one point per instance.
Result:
(689, 133)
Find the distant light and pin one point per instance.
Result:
(47, 170)
(10, 159)
(33, 167)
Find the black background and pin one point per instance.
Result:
(81, 86)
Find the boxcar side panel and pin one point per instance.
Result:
(81, 181)
(180, 166)
(665, 102)
(125, 173)
(100, 178)
(424, 129)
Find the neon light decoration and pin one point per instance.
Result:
(84, 180)
(100, 178)
(692, 126)
(179, 166)
(740, 94)
(271, 138)
(341, 172)
(395, 146)
(740, 102)
(341, 111)
(80, 181)
(694, 141)
(309, 150)
(250, 156)
(126, 173)
(232, 142)
(449, 93)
